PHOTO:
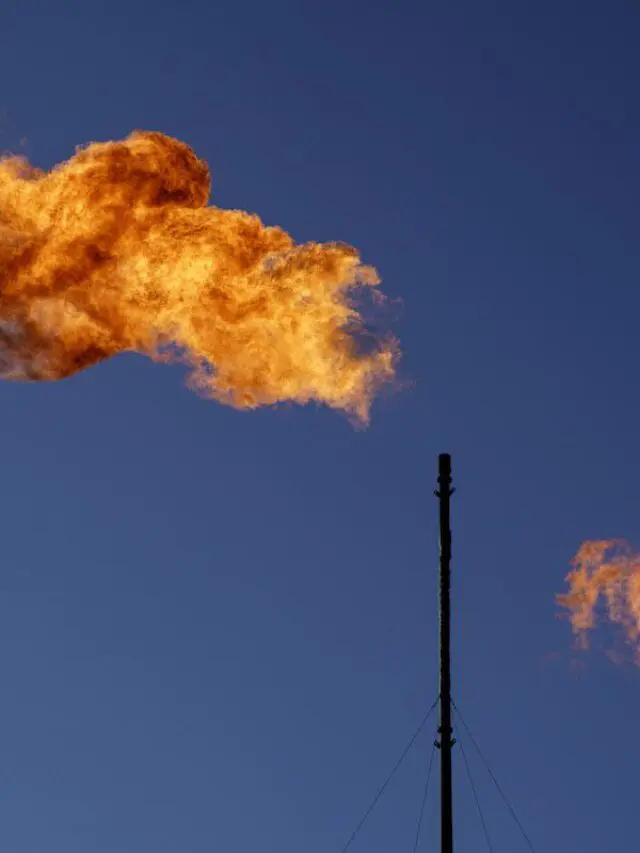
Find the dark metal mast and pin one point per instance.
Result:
(446, 741)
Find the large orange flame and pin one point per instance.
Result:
(607, 570)
(116, 250)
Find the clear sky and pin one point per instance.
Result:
(218, 629)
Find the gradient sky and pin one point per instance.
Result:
(218, 629)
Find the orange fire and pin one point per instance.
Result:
(116, 250)
(607, 570)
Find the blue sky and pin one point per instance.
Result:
(218, 629)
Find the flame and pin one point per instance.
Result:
(116, 250)
(607, 570)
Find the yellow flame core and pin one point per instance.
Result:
(117, 250)
(606, 571)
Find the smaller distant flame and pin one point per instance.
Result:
(604, 583)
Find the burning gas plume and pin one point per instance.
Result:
(605, 579)
(116, 250)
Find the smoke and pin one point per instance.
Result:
(116, 250)
(605, 583)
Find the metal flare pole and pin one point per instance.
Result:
(446, 741)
